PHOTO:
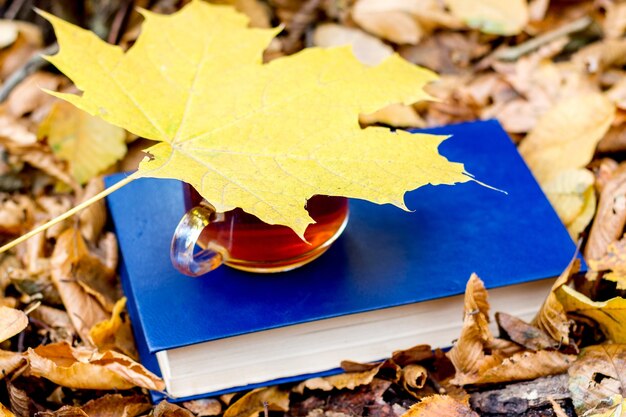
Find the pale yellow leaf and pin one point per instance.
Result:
(565, 137)
(492, 16)
(234, 128)
(366, 48)
(397, 115)
(610, 314)
(573, 197)
(12, 321)
(87, 143)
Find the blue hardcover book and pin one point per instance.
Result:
(392, 280)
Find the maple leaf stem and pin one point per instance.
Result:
(70, 212)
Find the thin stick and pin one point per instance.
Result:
(70, 213)
(513, 53)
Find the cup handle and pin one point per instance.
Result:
(183, 252)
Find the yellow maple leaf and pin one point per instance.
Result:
(263, 137)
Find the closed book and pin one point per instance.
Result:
(392, 280)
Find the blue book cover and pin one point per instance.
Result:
(386, 257)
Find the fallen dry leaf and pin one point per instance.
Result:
(414, 378)
(391, 20)
(440, 405)
(614, 24)
(600, 56)
(165, 409)
(551, 317)
(71, 261)
(115, 333)
(84, 368)
(58, 326)
(28, 97)
(86, 142)
(12, 321)
(520, 332)
(180, 117)
(93, 218)
(572, 194)
(366, 48)
(566, 136)
(614, 262)
(9, 362)
(596, 376)
(16, 213)
(253, 402)
(349, 380)
(610, 315)
(608, 225)
(111, 405)
(205, 407)
(492, 16)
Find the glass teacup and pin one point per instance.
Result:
(204, 239)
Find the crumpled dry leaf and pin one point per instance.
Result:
(116, 332)
(116, 405)
(492, 16)
(86, 142)
(572, 194)
(180, 117)
(614, 262)
(608, 225)
(165, 409)
(12, 321)
(58, 325)
(71, 264)
(596, 376)
(414, 378)
(349, 380)
(520, 332)
(610, 314)
(599, 56)
(388, 20)
(566, 136)
(366, 48)
(205, 407)
(252, 403)
(84, 368)
(551, 317)
(475, 366)
(441, 405)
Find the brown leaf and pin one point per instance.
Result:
(93, 218)
(12, 322)
(613, 263)
(412, 355)
(58, 323)
(65, 411)
(9, 362)
(414, 378)
(366, 48)
(165, 409)
(252, 403)
(115, 333)
(205, 407)
(566, 136)
(72, 262)
(440, 405)
(85, 369)
(599, 56)
(384, 20)
(610, 218)
(15, 213)
(29, 95)
(551, 317)
(597, 375)
(523, 333)
(116, 405)
(522, 366)
(349, 380)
